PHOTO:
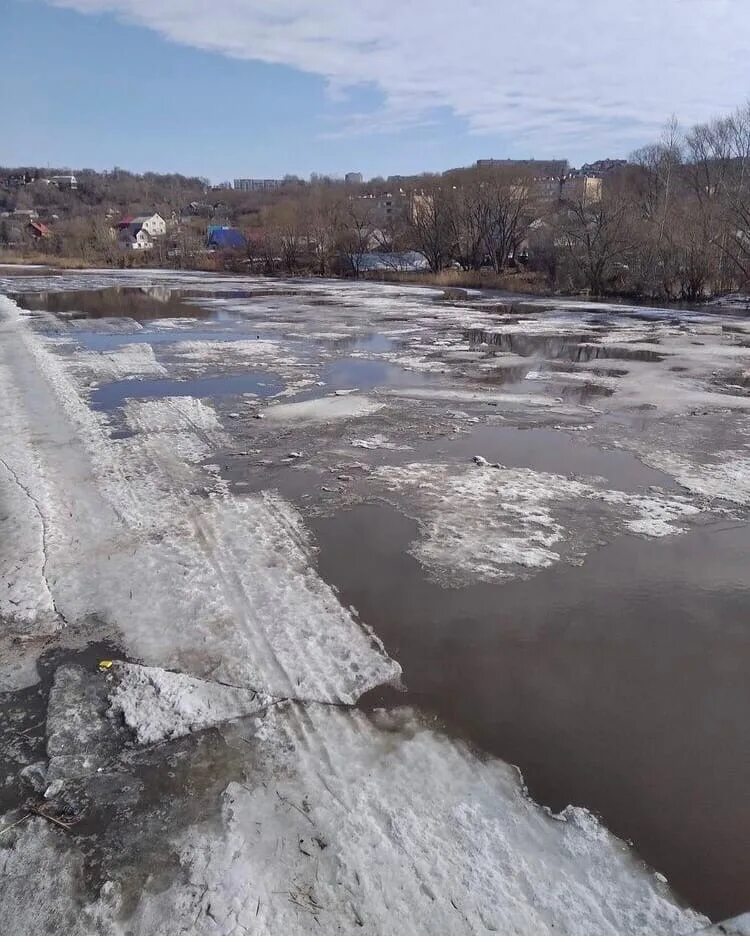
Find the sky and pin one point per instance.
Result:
(261, 88)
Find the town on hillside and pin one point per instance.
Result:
(669, 223)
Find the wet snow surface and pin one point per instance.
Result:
(352, 549)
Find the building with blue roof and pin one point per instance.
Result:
(225, 237)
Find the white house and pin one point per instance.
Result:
(135, 236)
(154, 224)
(64, 181)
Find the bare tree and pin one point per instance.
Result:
(320, 227)
(509, 203)
(470, 212)
(596, 239)
(433, 232)
(286, 232)
(353, 227)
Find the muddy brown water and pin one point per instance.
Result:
(620, 686)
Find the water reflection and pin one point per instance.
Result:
(111, 396)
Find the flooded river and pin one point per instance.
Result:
(541, 514)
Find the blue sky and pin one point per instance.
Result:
(267, 87)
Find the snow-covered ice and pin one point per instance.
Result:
(326, 409)
(171, 414)
(479, 523)
(387, 827)
(158, 704)
(727, 477)
(133, 359)
(224, 590)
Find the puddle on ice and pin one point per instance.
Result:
(375, 343)
(553, 347)
(119, 301)
(521, 380)
(365, 343)
(604, 683)
(367, 374)
(111, 396)
(576, 348)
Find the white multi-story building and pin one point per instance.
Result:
(253, 184)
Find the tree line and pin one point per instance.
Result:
(673, 223)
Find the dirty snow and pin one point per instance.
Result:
(385, 827)
(158, 704)
(378, 441)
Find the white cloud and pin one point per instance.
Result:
(545, 73)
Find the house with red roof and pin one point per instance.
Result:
(38, 230)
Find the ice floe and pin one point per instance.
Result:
(170, 414)
(326, 409)
(727, 477)
(490, 523)
(378, 441)
(132, 359)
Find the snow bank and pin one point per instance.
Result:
(388, 828)
(224, 588)
(490, 523)
(158, 704)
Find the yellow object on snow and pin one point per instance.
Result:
(105, 665)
